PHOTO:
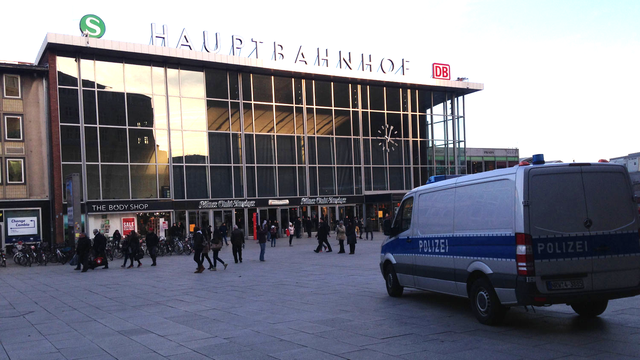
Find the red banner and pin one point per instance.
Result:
(128, 225)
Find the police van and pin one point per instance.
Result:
(526, 235)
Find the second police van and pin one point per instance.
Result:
(526, 235)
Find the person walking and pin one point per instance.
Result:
(262, 240)
(152, 241)
(291, 230)
(351, 237)
(134, 248)
(205, 250)
(237, 243)
(297, 225)
(198, 246)
(360, 224)
(368, 229)
(308, 226)
(125, 249)
(273, 234)
(216, 245)
(100, 247)
(341, 235)
(83, 248)
(117, 238)
(322, 234)
(224, 230)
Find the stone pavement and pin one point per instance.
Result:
(295, 305)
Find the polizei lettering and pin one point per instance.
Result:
(434, 246)
(562, 247)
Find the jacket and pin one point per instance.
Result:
(237, 237)
(341, 232)
(99, 243)
(152, 240)
(262, 236)
(198, 241)
(323, 231)
(84, 245)
(134, 243)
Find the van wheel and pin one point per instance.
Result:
(391, 279)
(485, 303)
(590, 309)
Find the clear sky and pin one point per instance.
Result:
(559, 76)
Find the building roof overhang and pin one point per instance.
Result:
(149, 53)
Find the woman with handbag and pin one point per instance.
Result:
(205, 251)
(341, 235)
(134, 248)
(216, 245)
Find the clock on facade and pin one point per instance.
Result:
(385, 135)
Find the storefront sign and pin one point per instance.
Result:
(226, 204)
(22, 226)
(323, 201)
(128, 206)
(128, 225)
(276, 51)
(278, 202)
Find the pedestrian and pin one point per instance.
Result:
(117, 237)
(134, 248)
(360, 224)
(83, 248)
(273, 234)
(182, 230)
(296, 226)
(351, 237)
(322, 234)
(125, 249)
(223, 231)
(205, 251)
(100, 247)
(341, 235)
(368, 229)
(262, 240)
(237, 243)
(290, 231)
(308, 224)
(216, 245)
(152, 245)
(198, 245)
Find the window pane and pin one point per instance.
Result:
(284, 120)
(113, 146)
(264, 149)
(219, 148)
(251, 181)
(365, 124)
(139, 110)
(178, 182)
(173, 82)
(367, 179)
(162, 144)
(109, 76)
(325, 151)
(356, 151)
(93, 182)
(302, 181)
(70, 143)
(283, 90)
(395, 125)
(262, 88)
(15, 170)
(143, 182)
(237, 182)
(218, 115)
(396, 179)
(111, 110)
(68, 169)
(378, 155)
(343, 123)
(263, 118)
(193, 114)
(355, 116)
(163, 181)
(358, 181)
(137, 78)
(324, 122)
(297, 86)
(89, 104)
(246, 87)
(364, 90)
(301, 152)
(380, 178)
(287, 180)
(234, 89)
(299, 121)
(393, 99)
(312, 150)
(67, 71)
(191, 84)
(376, 98)
(326, 180)
(69, 110)
(88, 74)
(13, 128)
(286, 150)
(266, 181)
(248, 117)
(12, 85)
(323, 93)
(197, 182)
(216, 84)
(345, 181)
(160, 112)
(235, 116)
(195, 147)
(367, 151)
(236, 148)
(341, 95)
(343, 151)
(115, 182)
(142, 146)
(313, 181)
(91, 143)
(311, 121)
(249, 151)
(157, 74)
(221, 182)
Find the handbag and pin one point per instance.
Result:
(140, 254)
(216, 246)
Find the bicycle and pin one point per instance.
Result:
(3, 258)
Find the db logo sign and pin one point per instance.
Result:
(441, 71)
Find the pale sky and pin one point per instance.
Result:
(559, 76)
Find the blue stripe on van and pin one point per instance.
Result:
(579, 246)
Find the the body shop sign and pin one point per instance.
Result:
(20, 226)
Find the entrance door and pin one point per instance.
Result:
(284, 221)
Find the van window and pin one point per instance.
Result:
(436, 212)
(557, 204)
(403, 219)
(609, 200)
(488, 206)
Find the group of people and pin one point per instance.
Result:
(343, 232)
(213, 241)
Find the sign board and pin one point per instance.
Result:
(92, 26)
(441, 71)
(22, 226)
(128, 225)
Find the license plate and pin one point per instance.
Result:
(565, 284)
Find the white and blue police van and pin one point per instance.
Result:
(527, 235)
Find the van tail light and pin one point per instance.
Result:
(524, 255)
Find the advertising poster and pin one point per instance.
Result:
(128, 225)
(20, 226)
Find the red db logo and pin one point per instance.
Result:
(441, 71)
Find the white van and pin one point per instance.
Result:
(526, 235)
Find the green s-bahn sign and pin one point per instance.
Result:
(92, 26)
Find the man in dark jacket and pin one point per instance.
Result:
(198, 245)
(297, 225)
(323, 233)
(262, 240)
(100, 246)
(152, 245)
(237, 242)
(82, 249)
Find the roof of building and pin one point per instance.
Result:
(19, 66)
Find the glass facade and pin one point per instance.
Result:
(154, 131)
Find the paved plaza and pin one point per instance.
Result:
(295, 305)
